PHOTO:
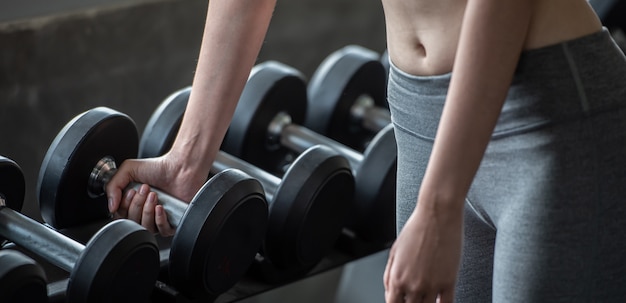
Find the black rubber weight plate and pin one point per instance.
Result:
(162, 127)
(12, 183)
(63, 179)
(376, 188)
(271, 88)
(119, 264)
(211, 258)
(22, 280)
(309, 208)
(341, 79)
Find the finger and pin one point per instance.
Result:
(162, 224)
(446, 296)
(115, 188)
(135, 209)
(122, 210)
(420, 297)
(147, 216)
(113, 199)
(427, 298)
(393, 295)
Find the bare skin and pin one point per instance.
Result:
(422, 36)
(480, 40)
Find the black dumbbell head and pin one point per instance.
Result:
(62, 186)
(271, 88)
(309, 208)
(219, 235)
(22, 280)
(12, 185)
(162, 127)
(335, 87)
(376, 192)
(119, 264)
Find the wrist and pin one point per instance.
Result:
(441, 202)
(190, 161)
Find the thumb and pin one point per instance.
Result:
(116, 185)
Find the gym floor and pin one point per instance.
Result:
(359, 281)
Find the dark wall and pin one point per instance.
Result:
(11, 10)
(131, 56)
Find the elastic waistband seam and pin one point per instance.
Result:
(505, 133)
(584, 102)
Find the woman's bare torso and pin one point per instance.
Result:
(422, 35)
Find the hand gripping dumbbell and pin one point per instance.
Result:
(265, 129)
(307, 205)
(22, 280)
(119, 263)
(347, 97)
(217, 234)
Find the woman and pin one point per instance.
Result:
(511, 192)
(534, 94)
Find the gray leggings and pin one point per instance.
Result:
(545, 218)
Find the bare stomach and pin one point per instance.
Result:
(422, 35)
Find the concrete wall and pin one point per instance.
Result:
(128, 55)
(11, 10)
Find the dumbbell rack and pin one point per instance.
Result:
(247, 287)
(348, 248)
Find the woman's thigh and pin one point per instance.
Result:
(557, 197)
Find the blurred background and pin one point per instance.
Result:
(60, 58)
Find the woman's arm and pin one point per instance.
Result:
(233, 35)
(423, 262)
(492, 38)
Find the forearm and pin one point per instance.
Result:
(233, 35)
(492, 38)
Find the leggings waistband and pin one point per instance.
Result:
(554, 83)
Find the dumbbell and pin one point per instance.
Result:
(307, 205)
(217, 234)
(119, 263)
(22, 280)
(347, 97)
(265, 129)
